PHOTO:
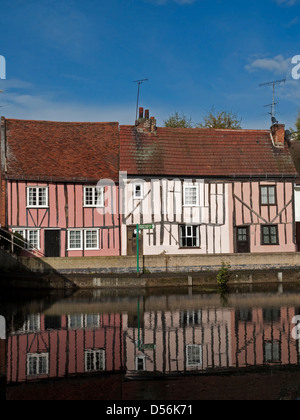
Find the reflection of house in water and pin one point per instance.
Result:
(58, 346)
(179, 341)
(166, 341)
(209, 339)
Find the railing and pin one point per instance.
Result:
(15, 244)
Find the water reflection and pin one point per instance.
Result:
(122, 339)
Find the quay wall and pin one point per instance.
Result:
(161, 264)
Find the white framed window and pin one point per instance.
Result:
(79, 321)
(138, 193)
(75, 240)
(31, 238)
(93, 196)
(37, 364)
(193, 355)
(94, 360)
(140, 363)
(189, 236)
(91, 239)
(37, 197)
(191, 196)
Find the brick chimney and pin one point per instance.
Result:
(144, 123)
(278, 134)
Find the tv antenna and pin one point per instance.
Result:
(273, 104)
(139, 82)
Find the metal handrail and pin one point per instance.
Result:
(26, 245)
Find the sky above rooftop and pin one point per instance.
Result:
(70, 60)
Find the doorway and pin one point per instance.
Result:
(52, 243)
(242, 239)
(132, 241)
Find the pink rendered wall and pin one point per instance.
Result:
(248, 211)
(66, 211)
(251, 336)
(66, 348)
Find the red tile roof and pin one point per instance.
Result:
(42, 150)
(202, 152)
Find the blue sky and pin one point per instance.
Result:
(77, 60)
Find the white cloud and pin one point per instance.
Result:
(47, 107)
(181, 2)
(287, 2)
(277, 65)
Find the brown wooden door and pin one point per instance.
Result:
(132, 241)
(242, 239)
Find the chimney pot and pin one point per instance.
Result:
(141, 112)
(147, 113)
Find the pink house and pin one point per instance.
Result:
(50, 191)
(206, 191)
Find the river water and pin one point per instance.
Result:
(151, 344)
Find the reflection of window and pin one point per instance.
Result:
(38, 364)
(190, 318)
(32, 323)
(194, 355)
(78, 321)
(272, 351)
(94, 360)
(271, 314)
(243, 314)
(140, 363)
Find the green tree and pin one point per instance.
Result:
(221, 119)
(297, 134)
(178, 121)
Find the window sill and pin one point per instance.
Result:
(37, 207)
(190, 247)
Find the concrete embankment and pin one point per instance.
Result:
(156, 271)
(161, 264)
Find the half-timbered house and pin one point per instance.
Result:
(49, 186)
(206, 190)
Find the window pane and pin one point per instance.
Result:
(33, 238)
(91, 239)
(42, 194)
(264, 195)
(88, 196)
(189, 236)
(272, 195)
(137, 191)
(191, 196)
(99, 197)
(32, 198)
(75, 240)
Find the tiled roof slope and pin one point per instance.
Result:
(202, 152)
(42, 150)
